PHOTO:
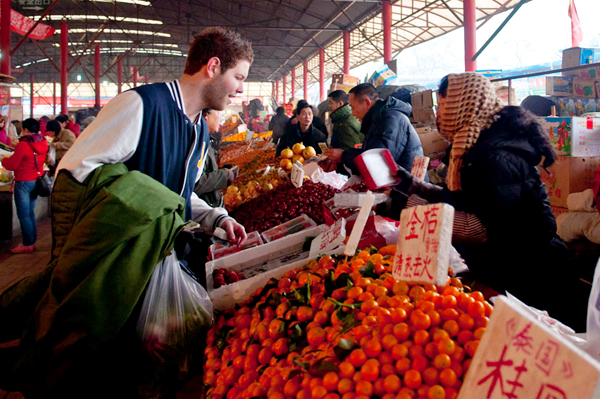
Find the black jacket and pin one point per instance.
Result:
(292, 135)
(523, 255)
(386, 125)
(277, 125)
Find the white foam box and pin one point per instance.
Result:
(259, 265)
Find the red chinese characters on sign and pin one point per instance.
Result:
(419, 167)
(546, 356)
(522, 341)
(548, 391)
(497, 379)
(21, 24)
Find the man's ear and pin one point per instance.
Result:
(368, 101)
(213, 67)
(340, 104)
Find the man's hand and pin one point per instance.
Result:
(235, 232)
(334, 154)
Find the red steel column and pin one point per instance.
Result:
(64, 57)
(119, 75)
(305, 78)
(146, 79)
(386, 16)
(470, 35)
(5, 37)
(31, 80)
(135, 76)
(273, 90)
(277, 92)
(284, 88)
(321, 75)
(346, 52)
(97, 74)
(54, 97)
(293, 82)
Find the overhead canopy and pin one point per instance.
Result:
(155, 35)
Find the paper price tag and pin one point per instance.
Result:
(424, 243)
(297, 175)
(419, 167)
(330, 239)
(519, 357)
(323, 147)
(359, 225)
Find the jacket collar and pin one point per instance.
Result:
(175, 90)
(340, 113)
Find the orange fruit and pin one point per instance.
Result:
(420, 319)
(370, 370)
(448, 378)
(399, 351)
(403, 365)
(420, 363)
(372, 348)
(402, 331)
(442, 361)
(316, 336)
(357, 357)
(389, 341)
(421, 337)
(436, 392)
(330, 381)
(392, 384)
(412, 379)
(364, 388)
(430, 376)
(476, 309)
(446, 346)
(318, 392)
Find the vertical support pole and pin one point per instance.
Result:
(277, 92)
(97, 75)
(54, 97)
(293, 94)
(470, 29)
(321, 75)
(5, 36)
(387, 30)
(273, 90)
(146, 79)
(119, 75)
(135, 76)
(284, 89)
(346, 38)
(305, 78)
(64, 57)
(31, 80)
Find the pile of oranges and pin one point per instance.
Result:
(345, 328)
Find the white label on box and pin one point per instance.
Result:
(424, 243)
(330, 239)
(359, 225)
(297, 175)
(586, 137)
(419, 167)
(519, 357)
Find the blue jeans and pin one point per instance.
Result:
(25, 202)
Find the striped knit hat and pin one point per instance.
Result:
(470, 107)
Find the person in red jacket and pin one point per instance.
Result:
(23, 163)
(67, 123)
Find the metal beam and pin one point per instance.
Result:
(46, 12)
(90, 44)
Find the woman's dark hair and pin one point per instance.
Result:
(280, 111)
(443, 86)
(517, 121)
(32, 125)
(206, 112)
(62, 118)
(53, 126)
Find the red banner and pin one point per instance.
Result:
(21, 24)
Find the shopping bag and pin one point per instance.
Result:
(175, 313)
(592, 333)
(51, 156)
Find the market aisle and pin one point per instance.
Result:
(15, 267)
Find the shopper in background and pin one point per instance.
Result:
(303, 131)
(43, 121)
(503, 224)
(67, 123)
(346, 128)
(27, 167)
(385, 124)
(213, 179)
(63, 139)
(4, 139)
(277, 124)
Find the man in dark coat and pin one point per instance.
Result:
(277, 124)
(385, 124)
(302, 132)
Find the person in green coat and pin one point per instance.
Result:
(213, 179)
(346, 128)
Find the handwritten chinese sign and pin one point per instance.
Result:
(424, 242)
(419, 167)
(520, 358)
(330, 239)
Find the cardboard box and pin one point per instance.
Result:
(584, 106)
(559, 85)
(344, 79)
(434, 145)
(422, 99)
(557, 210)
(584, 88)
(569, 175)
(586, 137)
(559, 131)
(592, 73)
(576, 56)
(565, 106)
(339, 86)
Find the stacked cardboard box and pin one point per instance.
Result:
(434, 145)
(422, 106)
(341, 81)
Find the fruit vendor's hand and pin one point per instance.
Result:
(235, 232)
(334, 154)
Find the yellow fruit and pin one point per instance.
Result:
(297, 158)
(285, 164)
(232, 190)
(298, 148)
(287, 153)
(309, 152)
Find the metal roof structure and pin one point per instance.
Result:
(154, 35)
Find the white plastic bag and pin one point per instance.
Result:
(332, 179)
(51, 156)
(592, 334)
(175, 312)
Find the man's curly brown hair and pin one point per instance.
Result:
(222, 43)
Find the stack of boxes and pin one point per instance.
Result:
(422, 107)
(576, 92)
(341, 81)
(423, 119)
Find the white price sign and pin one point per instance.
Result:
(297, 175)
(419, 167)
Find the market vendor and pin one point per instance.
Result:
(138, 127)
(213, 179)
(503, 224)
(302, 132)
(385, 124)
